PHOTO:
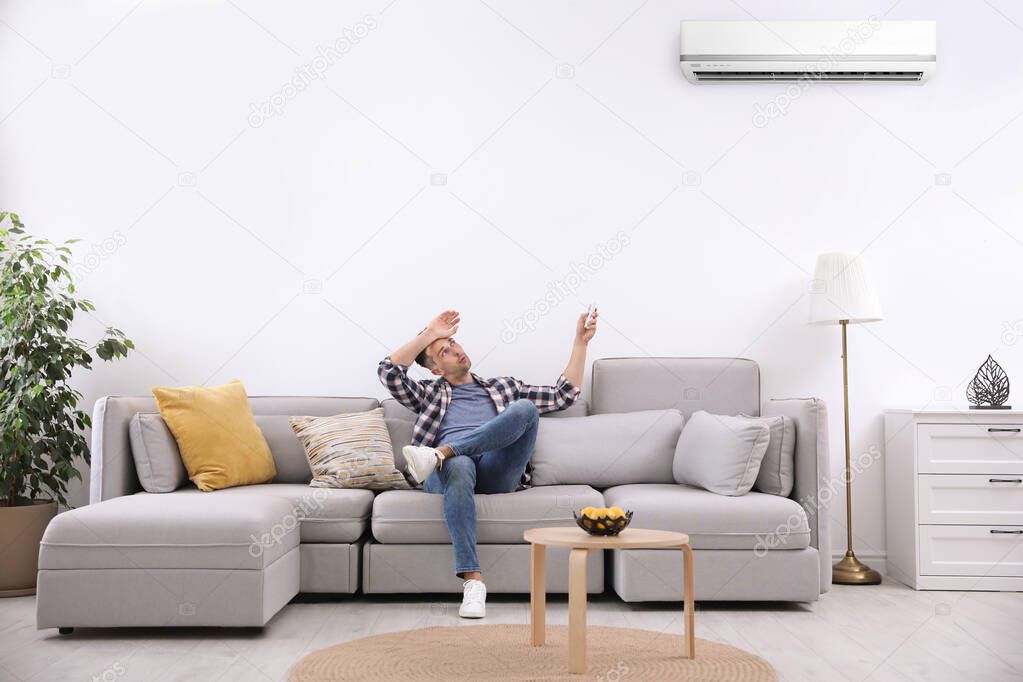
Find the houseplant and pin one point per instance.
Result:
(41, 426)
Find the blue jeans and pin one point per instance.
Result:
(489, 459)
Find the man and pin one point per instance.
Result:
(473, 435)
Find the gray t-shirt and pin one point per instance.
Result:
(470, 407)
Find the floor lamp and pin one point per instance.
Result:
(843, 293)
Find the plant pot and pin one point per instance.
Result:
(21, 529)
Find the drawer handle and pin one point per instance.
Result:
(992, 429)
(1006, 532)
(1005, 480)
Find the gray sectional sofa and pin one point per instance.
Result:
(235, 557)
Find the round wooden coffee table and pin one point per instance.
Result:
(582, 543)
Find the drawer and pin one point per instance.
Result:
(970, 448)
(971, 499)
(971, 550)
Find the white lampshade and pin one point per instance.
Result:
(842, 289)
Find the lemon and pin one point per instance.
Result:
(588, 511)
(616, 512)
(600, 525)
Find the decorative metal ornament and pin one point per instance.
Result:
(989, 388)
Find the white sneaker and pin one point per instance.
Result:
(420, 461)
(474, 599)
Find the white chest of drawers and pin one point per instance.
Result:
(954, 498)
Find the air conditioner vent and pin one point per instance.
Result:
(795, 76)
(833, 52)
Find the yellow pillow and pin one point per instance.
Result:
(220, 443)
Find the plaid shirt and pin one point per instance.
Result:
(430, 397)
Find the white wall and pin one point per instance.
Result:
(131, 123)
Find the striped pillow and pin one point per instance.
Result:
(349, 451)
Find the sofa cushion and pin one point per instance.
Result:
(607, 449)
(400, 433)
(756, 521)
(324, 514)
(775, 475)
(718, 385)
(720, 453)
(183, 529)
(417, 517)
(157, 461)
(288, 453)
(350, 450)
(217, 435)
(580, 408)
(395, 410)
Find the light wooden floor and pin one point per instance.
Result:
(855, 633)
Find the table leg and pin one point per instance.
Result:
(577, 610)
(687, 560)
(538, 592)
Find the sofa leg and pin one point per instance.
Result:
(65, 631)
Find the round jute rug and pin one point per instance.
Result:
(503, 652)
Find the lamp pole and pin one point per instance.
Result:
(850, 571)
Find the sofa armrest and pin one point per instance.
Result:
(812, 470)
(112, 469)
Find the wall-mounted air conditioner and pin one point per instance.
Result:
(868, 51)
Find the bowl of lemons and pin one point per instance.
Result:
(602, 520)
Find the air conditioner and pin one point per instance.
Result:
(868, 51)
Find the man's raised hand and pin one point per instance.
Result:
(445, 324)
(584, 332)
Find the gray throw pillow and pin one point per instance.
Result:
(289, 455)
(776, 470)
(720, 453)
(157, 459)
(603, 450)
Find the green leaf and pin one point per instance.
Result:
(41, 426)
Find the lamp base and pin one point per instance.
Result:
(850, 571)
